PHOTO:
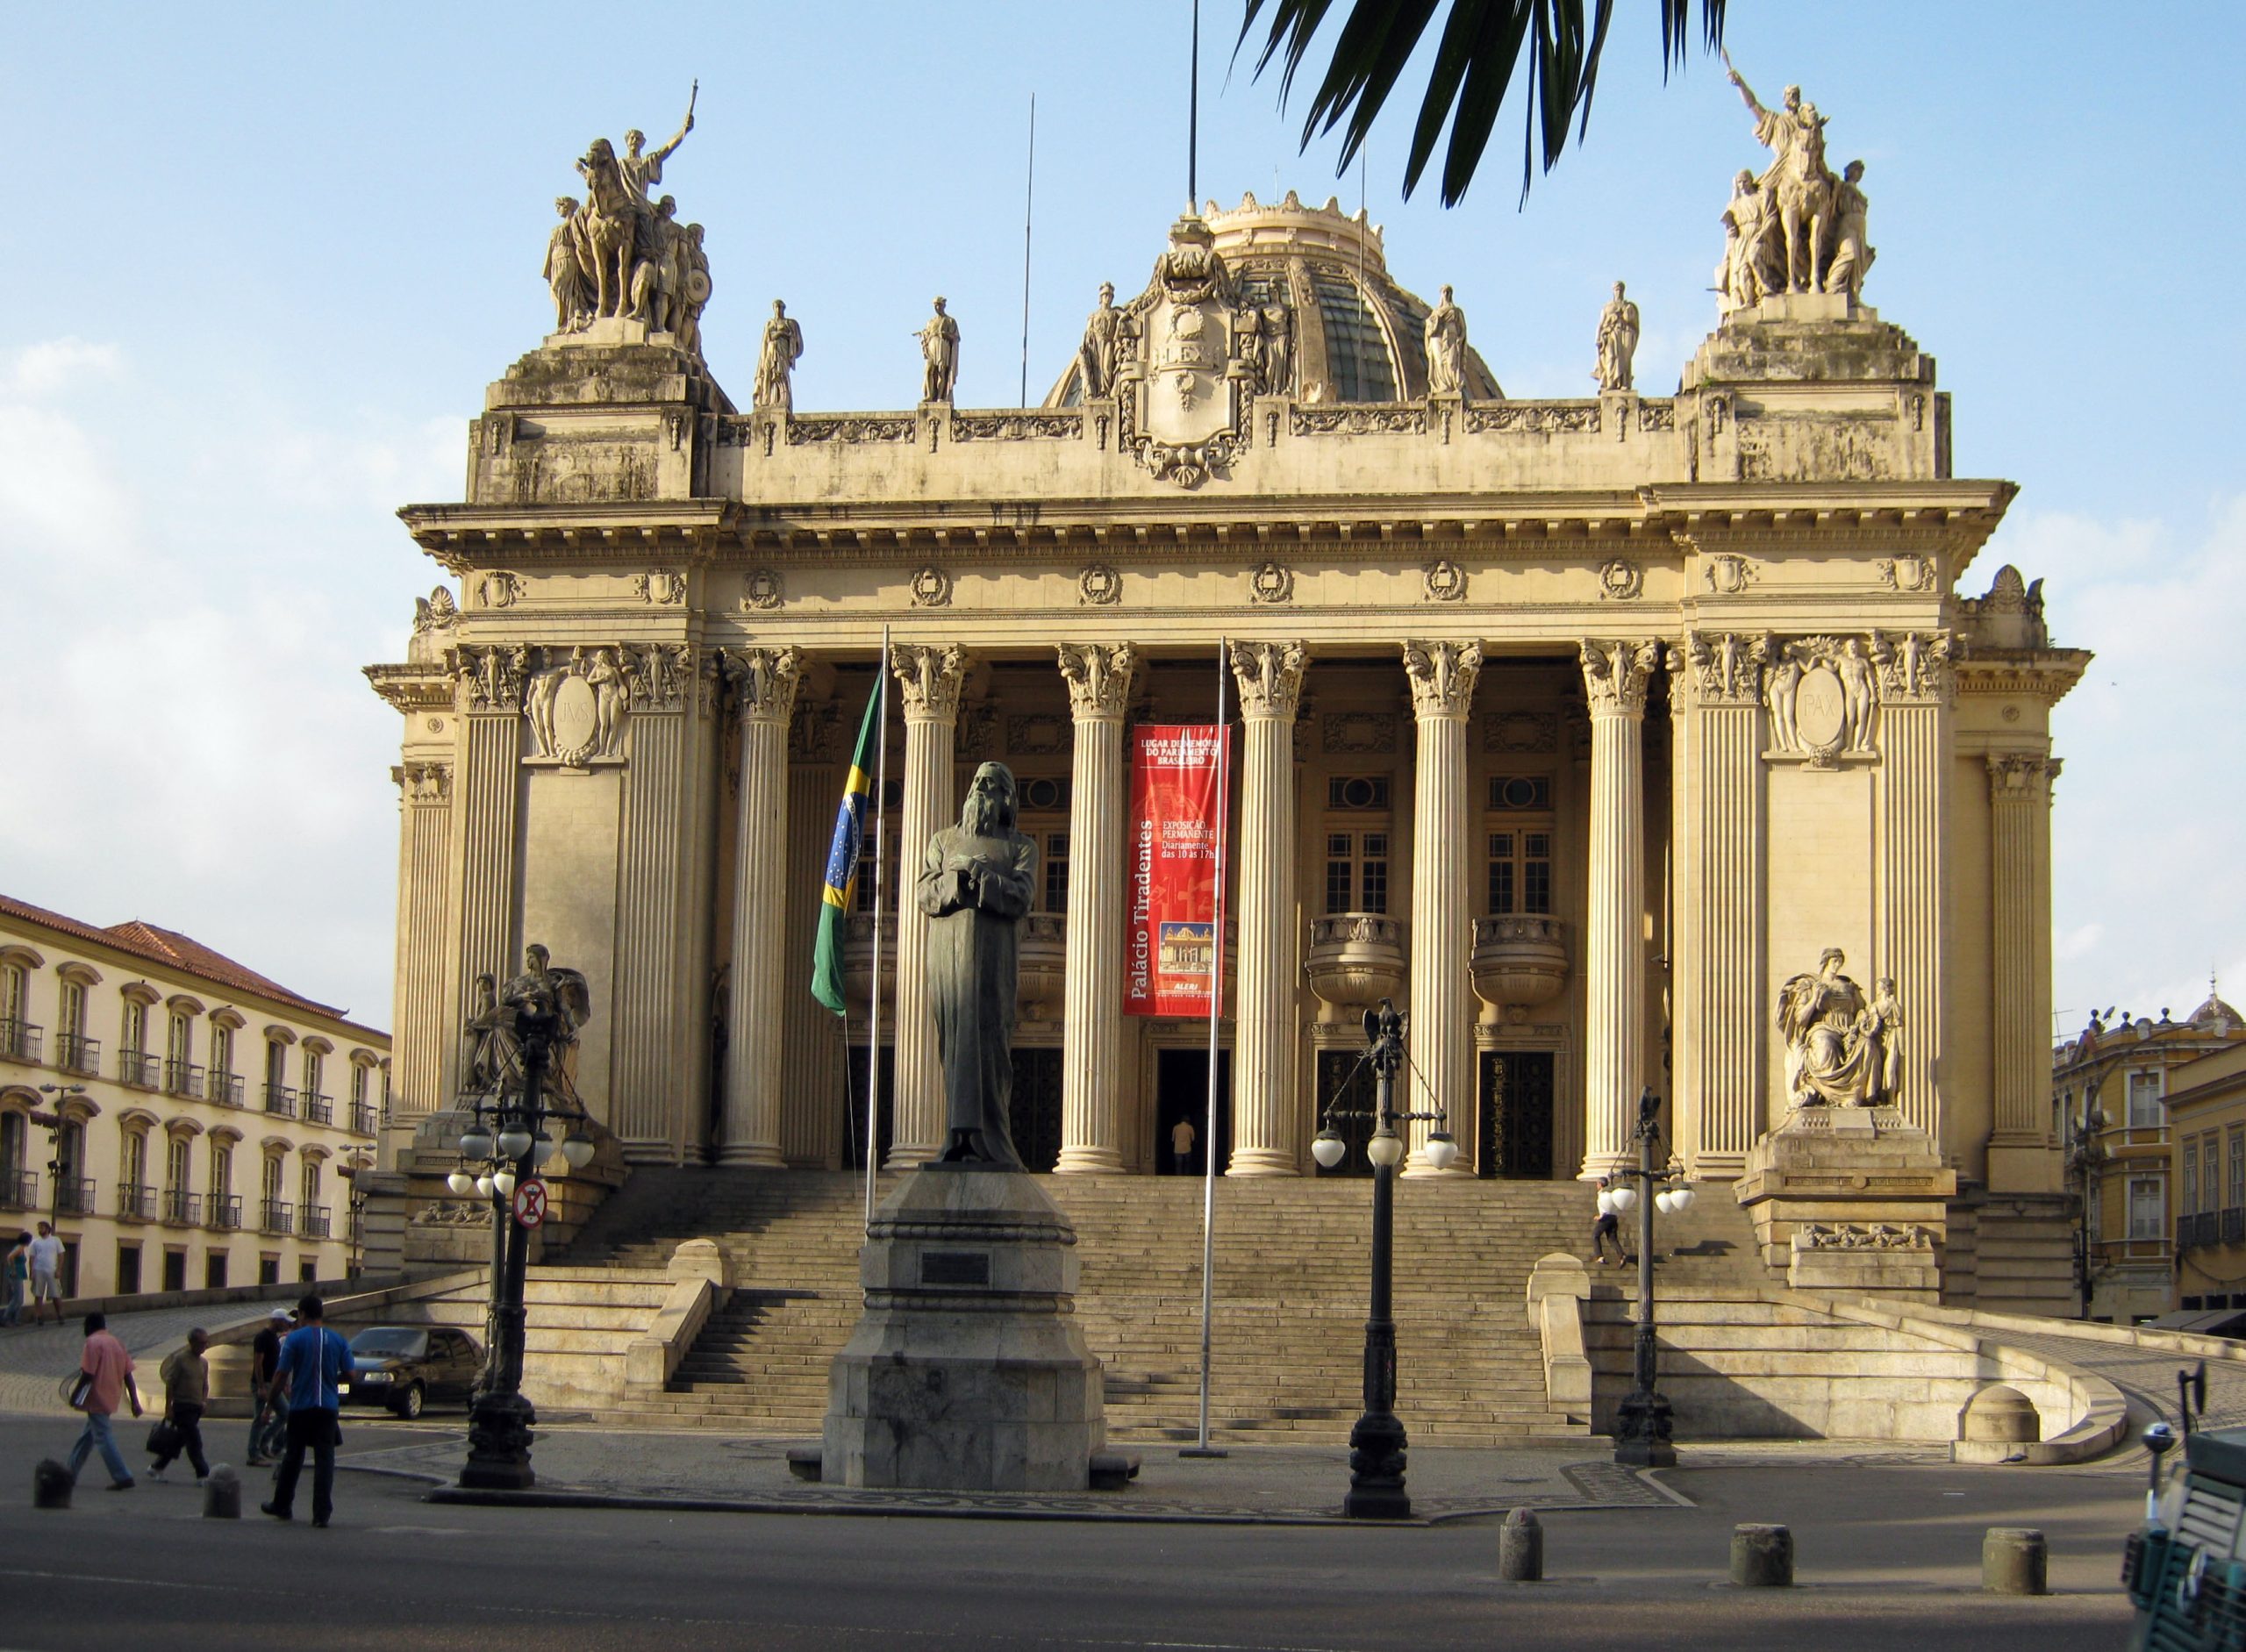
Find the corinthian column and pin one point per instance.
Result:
(930, 680)
(1263, 1100)
(1615, 964)
(764, 688)
(1092, 1046)
(1441, 1028)
(486, 783)
(2019, 880)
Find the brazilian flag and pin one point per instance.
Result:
(842, 859)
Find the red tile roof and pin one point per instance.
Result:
(172, 950)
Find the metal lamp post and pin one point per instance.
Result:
(1642, 1422)
(2085, 1161)
(1376, 1443)
(525, 1091)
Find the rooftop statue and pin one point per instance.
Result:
(783, 347)
(1618, 342)
(1446, 341)
(1803, 215)
(939, 350)
(619, 253)
(568, 268)
(1102, 347)
(976, 882)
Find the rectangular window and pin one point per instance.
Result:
(1504, 889)
(1520, 873)
(359, 1084)
(222, 1052)
(2188, 1194)
(1056, 871)
(1341, 871)
(128, 1270)
(268, 1270)
(74, 1009)
(2148, 1217)
(2237, 1169)
(276, 1064)
(179, 1038)
(222, 1172)
(136, 1026)
(214, 1270)
(2210, 1174)
(1372, 873)
(12, 991)
(175, 1270)
(2144, 1101)
(307, 1273)
(312, 1065)
(176, 1150)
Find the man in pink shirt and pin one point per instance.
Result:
(111, 1368)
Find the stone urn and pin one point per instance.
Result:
(1356, 959)
(1043, 951)
(1519, 961)
(858, 957)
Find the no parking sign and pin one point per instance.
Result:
(530, 1202)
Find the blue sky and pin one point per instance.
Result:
(268, 255)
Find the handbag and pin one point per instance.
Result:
(163, 1439)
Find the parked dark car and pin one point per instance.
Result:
(405, 1367)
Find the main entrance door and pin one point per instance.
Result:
(1515, 1138)
(1182, 1093)
(1035, 1120)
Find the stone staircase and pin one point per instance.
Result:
(1290, 1281)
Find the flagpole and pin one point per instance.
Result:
(873, 993)
(1201, 1446)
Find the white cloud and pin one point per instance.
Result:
(43, 368)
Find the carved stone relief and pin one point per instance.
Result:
(498, 590)
(423, 785)
(815, 732)
(1443, 677)
(1445, 582)
(1542, 419)
(490, 677)
(1516, 730)
(657, 675)
(929, 679)
(1358, 421)
(1913, 665)
(434, 616)
(763, 681)
(1036, 734)
(978, 729)
(1269, 677)
(812, 428)
(2020, 776)
(1726, 668)
(1823, 696)
(1272, 583)
(1620, 580)
(1728, 575)
(932, 588)
(1099, 677)
(1907, 573)
(1616, 672)
(1017, 426)
(1100, 585)
(762, 589)
(1358, 733)
(663, 587)
(577, 707)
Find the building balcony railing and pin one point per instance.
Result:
(226, 1089)
(314, 1221)
(135, 1203)
(75, 1053)
(318, 1109)
(275, 1216)
(181, 1208)
(364, 1119)
(19, 1042)
(182, 1079)
(18, 1190)
(2234, 1225)
(225, 1210)
(281, 1101)
(74, 1196)
(139, 1069)
(2198, 1228)
(1355, 959)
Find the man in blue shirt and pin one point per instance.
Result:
(314, 1363)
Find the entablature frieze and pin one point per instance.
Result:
(2040, 674)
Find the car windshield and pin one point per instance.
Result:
(391, 1343)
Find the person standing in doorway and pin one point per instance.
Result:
(268, 1424)
(108, 1372)
(1607, 1227)
(18, 1280)
(46, 1272)
(1181, 1146)
(315, 1363)
(187, 1393)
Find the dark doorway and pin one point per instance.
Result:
(1516, 1133)
(1035, 1115)
(1346, 1083)
(853, 1104)
(175, 1270)
(1182, 1096)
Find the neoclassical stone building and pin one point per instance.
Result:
(1580, 726)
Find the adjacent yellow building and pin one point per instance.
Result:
(184, 1121)
(2206, 1121)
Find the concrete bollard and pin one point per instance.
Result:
(1520, 1548)
(50, 1485)
(1761, 1556)
(222, 1494)
(2014, 1561)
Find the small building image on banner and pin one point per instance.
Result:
(1170, 932)
(1186, 958)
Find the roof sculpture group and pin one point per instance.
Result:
(618, 255)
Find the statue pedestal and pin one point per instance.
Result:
(1850, 1199)
(968, 1371)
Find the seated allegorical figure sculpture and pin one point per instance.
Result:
(494, 1055)
(1837, 1041)
(976, 884)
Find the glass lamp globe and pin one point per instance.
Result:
(1681, 1200)
(483, 1186)
(504, 1182)
(578, 1150)
(1624, 1199)
(1662, 1201)
(476, 1142)
(514, 1141)
(1441, 1150)
(1327, 1148)
(1386, 1149)
(461, 1183)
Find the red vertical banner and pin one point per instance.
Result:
(1171, 956)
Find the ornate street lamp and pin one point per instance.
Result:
(2085, 1163)
(1376, 1442)
(53, 1123)
(1642, 1423)
(519, 1083)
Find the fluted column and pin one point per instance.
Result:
(1715, 681)
(658, 1002)
(763, 681)
(1914, 692)
(489, 702)
(1091, 1046)
(1615, 676)
(2020, 881)
(1264, 1101)
(1440, 1041)
(424, 837)
(929, 679)
(812, 1098)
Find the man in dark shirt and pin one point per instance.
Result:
(269, 1424)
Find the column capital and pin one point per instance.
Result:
(425, 783)
(1723, 667)
(1614, 675)
(1443, 677)
(1269, 675)
(1914, 666)
(763, 681)
(1099, 677)
(931, 678)
(2020, 776)
(488, 677)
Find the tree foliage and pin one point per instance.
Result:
(1484, 46)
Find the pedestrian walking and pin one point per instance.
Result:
(19, 1277)
(45, 1256)
(187, 1394)
(105, 1376)
(268, 1423)
(314, 1362)
(1181, 1144)
(1609, 1226)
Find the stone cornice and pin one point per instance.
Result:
(2046, 674)
(413, 688)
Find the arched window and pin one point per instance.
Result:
(18, 1036)
(134, 1197)
(182, 1075)
(273, 1215)
(311, 1215)
(74, 1192)
(226, 1209)
(223, 1086)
